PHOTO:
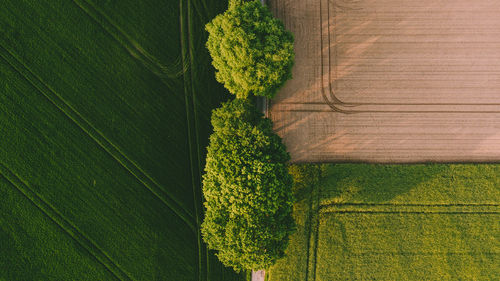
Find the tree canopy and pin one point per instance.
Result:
(251, 50)
(247, 188)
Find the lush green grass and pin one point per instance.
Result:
(390, 222)
(104, 140)
(27, 237)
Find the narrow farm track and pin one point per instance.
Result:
(308, 226)
(314, 235)
(342, 204)
(402, 208)
(191, 87)
(191, 121)
(93, 133)
(329, 211)
(66, 225)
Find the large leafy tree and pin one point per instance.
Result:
(251, 50)
(247, 188)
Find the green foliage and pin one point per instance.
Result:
(247, 188)
(251, 50)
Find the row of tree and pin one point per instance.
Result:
(246, 185)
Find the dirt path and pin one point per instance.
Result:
(391, 81)
(258, 275)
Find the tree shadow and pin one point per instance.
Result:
(374, 183)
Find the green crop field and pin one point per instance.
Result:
(104, 118)
(390, 222)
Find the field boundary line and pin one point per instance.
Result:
(412, 208)
(187, 59)
(413, 204)
(311, 221)
(97, 136)
(315, 222)
(308, 226)
(190, 119)
(424, 253)
(197, 184)
(130, 45)
(70, 229)
(408, 212)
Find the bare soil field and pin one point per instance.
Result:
(391, 81)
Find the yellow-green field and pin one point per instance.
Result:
(389, 222)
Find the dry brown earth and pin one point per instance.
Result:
(391, 81)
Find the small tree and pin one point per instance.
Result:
(251, 50)
(247, 188)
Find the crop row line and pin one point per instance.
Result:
(490, 208)
(96, 135)
(408, 212)
(412, 204)
(308, 226)
(64, 224)
(423, 253)
(314, 217)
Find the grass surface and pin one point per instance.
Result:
(104, 117)
(397, 222)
